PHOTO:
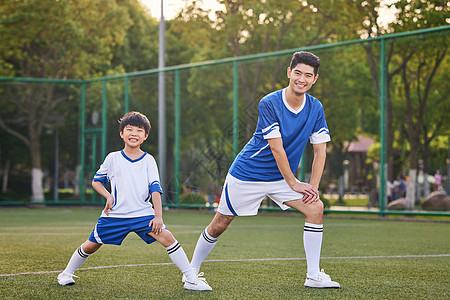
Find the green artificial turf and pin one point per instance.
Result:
(258, 257)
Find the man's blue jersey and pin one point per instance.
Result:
(277, 119)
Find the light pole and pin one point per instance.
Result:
(162, 103)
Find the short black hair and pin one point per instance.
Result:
(307, 58)
(137, 119)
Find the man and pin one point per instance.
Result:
(266, 166)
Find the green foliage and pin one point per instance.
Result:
(192, 198)
(326, 202)
(81, 39)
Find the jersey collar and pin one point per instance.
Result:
(133, 160)
(290, 108)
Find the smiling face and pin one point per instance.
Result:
(301, 78)
(133, 136)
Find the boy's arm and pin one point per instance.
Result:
(320, 155)
(310, 192)
(100, 188)
(157, 222)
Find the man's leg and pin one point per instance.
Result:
(208, 239)
(312, 241)
(312, 233)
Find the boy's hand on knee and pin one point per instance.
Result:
(157, 224)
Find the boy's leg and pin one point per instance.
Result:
(78, 258)
(175, 251)
(179, 258)
(208, 239)
(80, 255)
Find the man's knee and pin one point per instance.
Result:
(219, 224)
(315, 211)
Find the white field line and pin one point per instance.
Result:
(235, 260)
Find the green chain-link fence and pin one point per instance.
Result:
(386, 103)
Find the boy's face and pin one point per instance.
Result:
(133, 136)
(301, 78)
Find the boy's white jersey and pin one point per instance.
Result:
(132, 183)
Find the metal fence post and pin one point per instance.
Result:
(235, 108)
(126, 96)
(177, 138)
(104, 120)
(382, 193)
(82, 141)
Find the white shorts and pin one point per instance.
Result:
(243, 198)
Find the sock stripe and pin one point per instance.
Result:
(313, 229)
(209, 240)
(174, 248)
(80, 253)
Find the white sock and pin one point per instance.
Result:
(77, 259)
(312, 241)
(204, 246)
(179, 258)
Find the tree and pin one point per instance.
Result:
(52, 39)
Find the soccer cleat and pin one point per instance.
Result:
(66, 279)
(199, 284)
(321, 280)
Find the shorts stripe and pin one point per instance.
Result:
(174, 248)
(227, 198)
(97, 238)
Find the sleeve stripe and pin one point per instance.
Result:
(271, 127)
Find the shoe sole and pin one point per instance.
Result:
(322, 287)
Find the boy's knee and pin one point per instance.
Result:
(90, 247)
(165, 237)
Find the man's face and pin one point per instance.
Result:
(301, 78)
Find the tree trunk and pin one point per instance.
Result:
(411, 188)
(37, 193)
(6, 175)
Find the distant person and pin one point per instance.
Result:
(401, 187)
(288, 118)
(437, 181)
(389, 191)
(134, 179)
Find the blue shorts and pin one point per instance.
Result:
(109, 230)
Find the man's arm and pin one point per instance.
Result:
(310, 191)
(320, 155)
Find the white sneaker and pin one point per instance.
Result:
(321, 280)
(66, 278)
(184, 279)
(199, 284)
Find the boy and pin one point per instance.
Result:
(287, 119)
(134, 179)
